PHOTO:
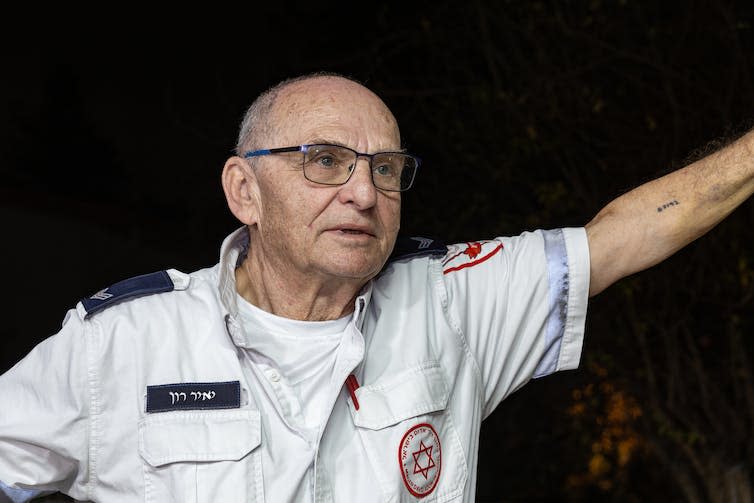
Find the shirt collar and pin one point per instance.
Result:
(233, 251)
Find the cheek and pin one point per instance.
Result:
(291, 209)
(275, 212)
(391, 214)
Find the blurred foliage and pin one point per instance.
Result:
(607, 417)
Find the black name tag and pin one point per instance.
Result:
(193, 396)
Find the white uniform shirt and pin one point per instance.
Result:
(154, 398)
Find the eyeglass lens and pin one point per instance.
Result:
(332, 165)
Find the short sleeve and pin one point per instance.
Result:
(520, 302)
(43, 417)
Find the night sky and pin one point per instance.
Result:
(114, 129)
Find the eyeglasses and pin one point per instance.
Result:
(334, 165)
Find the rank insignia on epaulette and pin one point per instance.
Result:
(415, 246)
(138, 286)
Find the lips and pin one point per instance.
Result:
(354, 230)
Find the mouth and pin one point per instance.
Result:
(354, 231)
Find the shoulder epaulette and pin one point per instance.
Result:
(415, 246)
(138, 286)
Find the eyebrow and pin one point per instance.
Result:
(325, 141)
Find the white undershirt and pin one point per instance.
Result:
(302, 352)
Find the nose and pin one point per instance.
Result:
(359, 189)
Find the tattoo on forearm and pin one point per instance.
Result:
(667, 205)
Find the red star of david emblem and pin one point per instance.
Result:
(427, 451)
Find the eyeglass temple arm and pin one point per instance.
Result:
(267, 151)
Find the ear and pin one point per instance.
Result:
(241, 190)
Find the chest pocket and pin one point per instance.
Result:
(201, 456)
(409, 435)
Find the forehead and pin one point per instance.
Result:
(337, 110)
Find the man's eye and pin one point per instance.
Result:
(385, 170)
(325, 161)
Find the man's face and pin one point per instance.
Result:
(345, 231)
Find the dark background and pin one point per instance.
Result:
(115, 127)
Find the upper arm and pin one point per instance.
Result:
(635, 232)
(606, 250)
(43, 419)
(656, 219)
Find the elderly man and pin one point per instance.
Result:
(323, 358)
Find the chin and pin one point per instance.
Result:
(364, 274)
(354, 268)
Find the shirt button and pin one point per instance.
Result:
(273, 375)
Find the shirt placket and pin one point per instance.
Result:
(349, 356)
(269, 378)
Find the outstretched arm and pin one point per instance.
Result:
(648, 224)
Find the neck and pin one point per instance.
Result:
(294, 296)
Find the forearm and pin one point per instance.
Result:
(653, 221)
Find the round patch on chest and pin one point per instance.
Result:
(420, 459)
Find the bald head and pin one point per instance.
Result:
(281, 105)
